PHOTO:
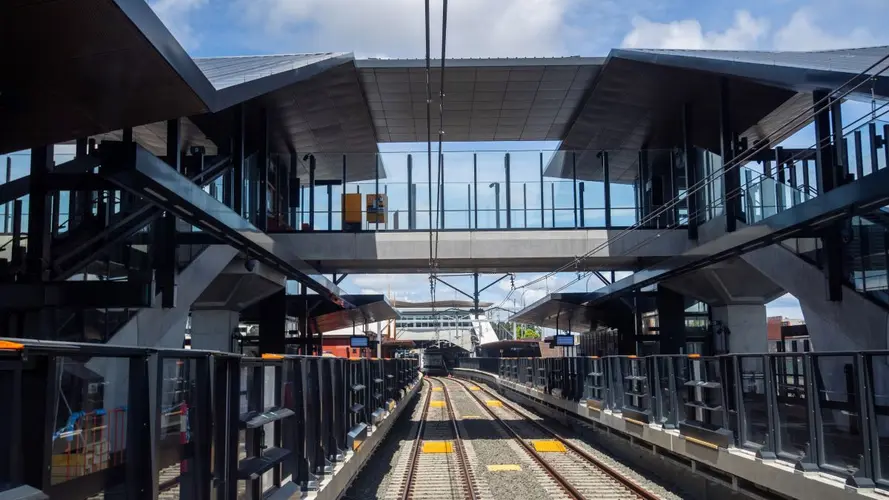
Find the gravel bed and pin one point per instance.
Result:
(378, 472)
(662, 487)
(492, 446)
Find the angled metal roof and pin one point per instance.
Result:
(798, 71)
(223, 72)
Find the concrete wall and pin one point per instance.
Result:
(747, 325)
(494, 251)
(853, 324)
(151, 326)
(736, 469)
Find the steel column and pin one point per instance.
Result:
(508, 193)
(238, 183)
(691, 172)
(411, 195)
(475, 187)
(39, 228)
(828, 169)
(731, 180)
(574, 183)
(272, 322)
(606, 177)
(312, 191)
(263, 165)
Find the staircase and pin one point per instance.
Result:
(108, 241)
(861, 319)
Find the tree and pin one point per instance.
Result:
(506, 330)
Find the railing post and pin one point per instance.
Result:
(770, 450)
(864, 476)
(542, 203)
(508, 192)
(809, 462)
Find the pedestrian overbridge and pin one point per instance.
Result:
(532, 250)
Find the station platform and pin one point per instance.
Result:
(666, 413)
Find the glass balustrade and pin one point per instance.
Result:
(484, 190)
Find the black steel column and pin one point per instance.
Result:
(312, 191)
(475, 188)
(263, 164)
(272, 323)
(828, 170)
(39, 229)
(238, 159)
(542, 197)
(606, 178)
(174, 141)
(411, 195)
(475, 295)
(508, 193)
(691, 173)
(573, 183)
(731, 180)
(671, 320)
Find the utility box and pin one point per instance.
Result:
(351, 211)
(377, 205)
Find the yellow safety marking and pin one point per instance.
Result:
(468, 417)
(633, 421)
(356, 444)
(11, 346)
(503, 468)
(436, 389)
(438, 447)
(494, 402)
(437, 404)
(548, 445)
(701, 442)
(475, 388)
(272, 356)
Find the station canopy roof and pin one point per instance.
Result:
(94, 71)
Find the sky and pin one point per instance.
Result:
(516, 28)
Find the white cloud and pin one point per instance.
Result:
(175, 14)
(396, 28)
(745, 33)
(803, 33)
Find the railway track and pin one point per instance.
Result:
(577, 473)
(438, 467)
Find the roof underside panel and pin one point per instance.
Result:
(485, 100)
(77, 68)
(223, 72)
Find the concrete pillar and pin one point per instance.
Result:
(746, 325)
(213, 329)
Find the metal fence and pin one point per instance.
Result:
(824, 412)
(87, 420)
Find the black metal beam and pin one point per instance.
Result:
(20, 187)
(77, 294)
(272, 322)
(136, 170)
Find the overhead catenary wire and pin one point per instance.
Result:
(780, 133)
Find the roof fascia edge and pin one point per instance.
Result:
(156, 33)
(243, 92)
